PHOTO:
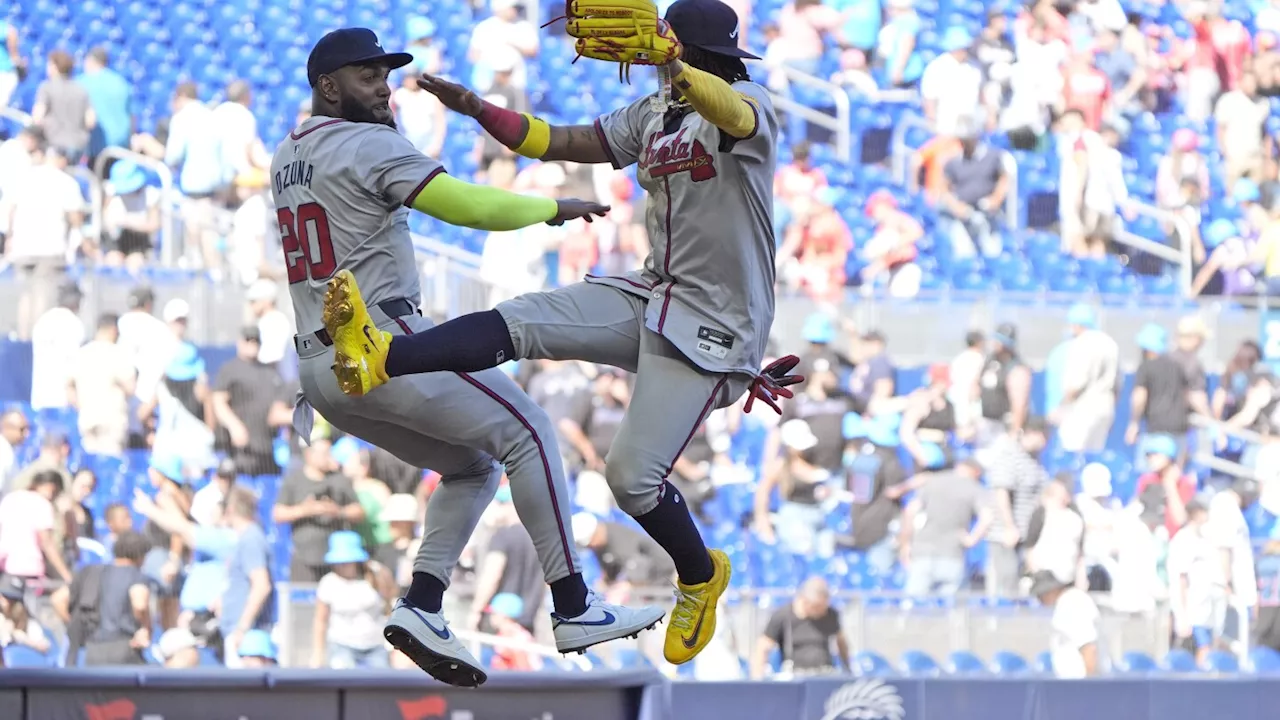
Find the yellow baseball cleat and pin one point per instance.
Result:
(693, 620)
(360, 348)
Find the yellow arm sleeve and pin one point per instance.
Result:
(480, 206)
(717, 101)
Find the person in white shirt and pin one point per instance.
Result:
(1197, 588)
(55, 338)
(951, 85)
(147, 339)
(101, 384)
(14, 431)
(237, 128)
(1241, 116)
(275, 328)
(1075, 641)
(253, 227)
(1058, 548)
(1088, 406)
(15, 158)
(1098, 510)
(503, 28)
(965, 392)
(206, 505)
(1105, 193)
(1229, 532)
(131, 217)
(419, 114)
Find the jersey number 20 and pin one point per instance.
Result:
(304, 236)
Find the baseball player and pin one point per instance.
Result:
(692, 324)
(344, 182)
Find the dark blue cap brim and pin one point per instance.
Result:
(391, 60)
(730, 50)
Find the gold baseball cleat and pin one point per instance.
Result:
(360, 348)
(693, 620)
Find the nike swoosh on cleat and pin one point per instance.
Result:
(692, 640)
(442, 634)
(368, 335)
(609, 619)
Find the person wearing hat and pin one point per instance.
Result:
(509, 566)
(131, 217)
(352, 603)
(55, 338)
(504, 613)
(419, 113)
(892, 248)
(1165, 488)
(1160, 401)
(627, 558)
(816, 245)
(958, 517)
(1100, 514)
(178, 407)
(247, 244)
(275, 330)
(1189, 340)
(1076, 641)
(952, 83)
(419, 33)
(1005, 392)
(801, 489)
(821, 406)
(877, 480)
(402, 516)
(259, 650)
(1089, 383)
(168, 555)
(250, 402)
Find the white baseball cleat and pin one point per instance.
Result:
(601, 622)
(426, 639)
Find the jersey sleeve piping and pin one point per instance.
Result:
(408, 201)
(755, 112)
(608, 149)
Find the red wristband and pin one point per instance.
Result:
(505, 126)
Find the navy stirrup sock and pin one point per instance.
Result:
(671, 525)
(569, 596)
(426, 592)
(469, 343)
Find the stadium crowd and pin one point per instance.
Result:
(134, 431)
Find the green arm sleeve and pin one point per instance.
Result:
(479, 206)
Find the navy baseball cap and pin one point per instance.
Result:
(350, 46)
(707, 24)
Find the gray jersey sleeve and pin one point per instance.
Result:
(757, 146)
(390, 167)
(622, 132)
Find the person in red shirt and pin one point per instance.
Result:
(504, 610)
(1231, 42)
(799, 179)
(891, 251)
(820, 241)
(1204, 68)
(1165, 482)
(1087, 89)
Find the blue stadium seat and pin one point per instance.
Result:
(867, 663)
(963, 662)
(1136, 663)
(21, 656)
(1178, 660)
(1221, 661)
(917, 662)
(1005, 662)
(1044, 663)
(1264, 660)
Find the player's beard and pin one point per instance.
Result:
(353, 111)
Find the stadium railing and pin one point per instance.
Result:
(838, 124)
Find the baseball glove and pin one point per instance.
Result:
(628, 32)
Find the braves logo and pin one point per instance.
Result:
(865, 699)
(668, 155)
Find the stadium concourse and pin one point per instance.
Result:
(1101, 158)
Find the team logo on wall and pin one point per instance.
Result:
(865, 699)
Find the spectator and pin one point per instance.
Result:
(1056, 536)
(254, 228)
(427, 57)
(608, 406)
(1197, 587)
(16, 158)
(403, 518)
(504, 35)
(952, 84)
(168, 554)
(954, 520)
(249, 403)
(178, 649)
(14, 431)
(193, 146)
(55, 450)
(1160, 398)
(798, 180)
(109, 96)
(817, 242)
(1232, 256)
(874, 475)
(1230, 534)
(119, 521)
(1086, 90)
(248, 601)
(896, 50)
(1237, 377)
(510, 566)
(147, 340)
(891, 251)
(927, 171)
(29, 548)
(12, 63)
(275, 329)
(821, 407)
(1191, 333)
(872, 381)
(802, 28)
(419, 113)
(801, 488)
(929, 419)
(353, 601)
(131, 217)
(102, 382)
(206, 504)
(1125, 76)
(1090, 384)
(974, 194)
(505, 611)
(237, 137)
(1017, 481)
(965, 391)
(806, 632)
(563, 389)
(44, 217)
(506, 91)
(107, 608)
(1075, 645)
(628, 559)
(995, 55)
(1184, 162)
(63, 109)
(17, 627)
(1100, 519)
(259, 650)
(1105, 196)
(82, 487)
(1164, 488)
(182, 412)
(855, 73)
(316, 501)
(1241, 116)
(1005, 392)
(372, 494)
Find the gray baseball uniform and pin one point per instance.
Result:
(694, 322)
(341, 192)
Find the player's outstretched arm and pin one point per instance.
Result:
(488, 208)
(523, 133)
(715, 100)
